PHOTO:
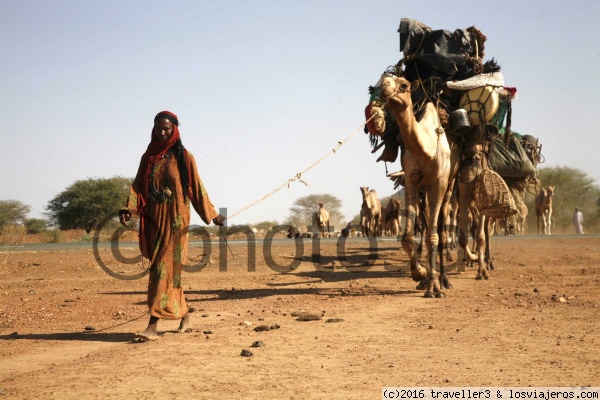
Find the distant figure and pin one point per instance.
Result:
(578, 221)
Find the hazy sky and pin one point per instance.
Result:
(262, 89)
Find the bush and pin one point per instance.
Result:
(36, 225)
(54, 236)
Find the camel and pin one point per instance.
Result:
(429, 165)
(543, 208)
(432, 162)
(391, 218)
(322, 218)
(370, 212)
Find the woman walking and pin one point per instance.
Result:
(167, 182)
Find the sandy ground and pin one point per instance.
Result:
(535, 322)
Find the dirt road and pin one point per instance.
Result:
(329, 332)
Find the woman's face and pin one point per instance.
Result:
(163, 129)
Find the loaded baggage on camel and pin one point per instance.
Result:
(474, 105)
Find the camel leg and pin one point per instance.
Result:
(454, 229)
(435, 198)
(370, 227)
(446, 235)
(363, 225)
(417, 272)
(549, 220)
(488, 248)
(443, 231)
(423, 216)
(465, 191)
(454, 233)
(544, 232)
(481, 270)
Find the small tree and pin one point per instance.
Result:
(86, 203)
(13, 212)
(265, 225)
(36, 225)
(302, 213)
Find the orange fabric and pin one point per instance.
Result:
(165, 238)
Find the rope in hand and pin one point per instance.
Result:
(225, 239)
(298, 176)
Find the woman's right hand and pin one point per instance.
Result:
(124, 216)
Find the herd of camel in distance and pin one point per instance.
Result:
(378, 221)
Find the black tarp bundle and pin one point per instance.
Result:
(440, 52)
(509, 161)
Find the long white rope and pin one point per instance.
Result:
(298, 176)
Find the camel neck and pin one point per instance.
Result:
(419, 138)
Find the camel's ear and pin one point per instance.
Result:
(414, 85)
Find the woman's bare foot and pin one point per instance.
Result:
(185, 323)
(147, 335)
(151, 333)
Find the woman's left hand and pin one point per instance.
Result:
(124, 216)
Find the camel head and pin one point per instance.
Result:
(397, 89)
(364, 190)
(550, 191)
(321, 205)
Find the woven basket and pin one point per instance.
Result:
(492, 197)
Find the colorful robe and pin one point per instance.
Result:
(166, 233)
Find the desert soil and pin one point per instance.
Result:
(66, 325)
